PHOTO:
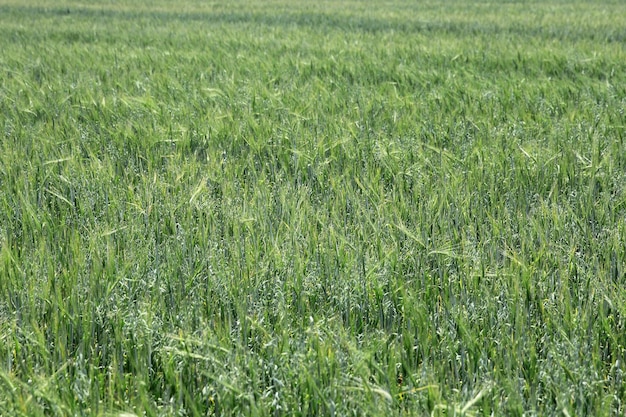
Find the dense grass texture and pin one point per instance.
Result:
(256, 208)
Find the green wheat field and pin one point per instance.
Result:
(312, 208)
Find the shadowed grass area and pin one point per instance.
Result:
(339, 208)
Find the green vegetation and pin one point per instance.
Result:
(312, 208)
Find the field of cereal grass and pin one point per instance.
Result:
(293, 208)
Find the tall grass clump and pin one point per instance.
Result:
(286, 208)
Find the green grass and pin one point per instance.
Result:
(294, 208)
